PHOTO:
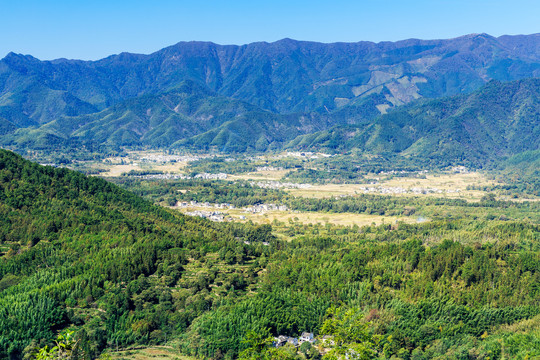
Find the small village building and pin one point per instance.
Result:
(282, 340)
(307, 337)
(293, 341)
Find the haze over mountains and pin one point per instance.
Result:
(262, 96)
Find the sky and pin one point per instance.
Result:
(89, 30)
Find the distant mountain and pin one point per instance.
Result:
(495, 122)
(263, 96)
(286, 76)
(189, 115)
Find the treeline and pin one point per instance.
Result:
(221, 165)
(352, 167)
(319, 176)
(142, 172)
(318, 169)
(171, 191)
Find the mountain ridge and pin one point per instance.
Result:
(253, 97)
(268, 74)
(490, 124)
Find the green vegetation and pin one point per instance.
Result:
(221, 165)
(83, 255)
(266, 102)
(479, 129)
(91, 269)
(416, 293)
(241, 194)
(522, 173)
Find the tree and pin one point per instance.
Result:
(351, 337)
(66, 347)
(258, 343)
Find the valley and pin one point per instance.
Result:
(150, 172)
(196, 283)
(288, 200)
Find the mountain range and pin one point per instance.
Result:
(487, 125)
(288, 93)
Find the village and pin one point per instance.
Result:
(216, 216)
(401, 190)
(219, 216)
(165, 158)
(169, 176)
(282, 340)
(323, 344)
(279, 185)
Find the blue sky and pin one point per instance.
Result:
(49, 29)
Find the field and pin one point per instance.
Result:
(440, 185)
(268, 175)
(140, 160)
(469, 186)
(341, 219)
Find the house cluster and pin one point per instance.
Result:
(278, 185)
(269, 168)
(161, 158)
(401, 190)
(210, 215)
(206, 176)
(460, 170)
(265, 243)
(283, 340)
(162, 176)
(307, 155)
(223, 206)
(262, 208)
(403, 172)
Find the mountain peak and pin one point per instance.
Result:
(286, 41)
(12, 55)
(17, 60)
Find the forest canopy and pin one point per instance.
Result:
(80, 255)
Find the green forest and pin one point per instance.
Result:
(82, 258)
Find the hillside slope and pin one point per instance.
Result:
(488, 125)
(80, 252)
(188, 116)
(495, 122)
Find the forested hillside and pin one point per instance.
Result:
(489, 125)
(80, 253)
(480, 129)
